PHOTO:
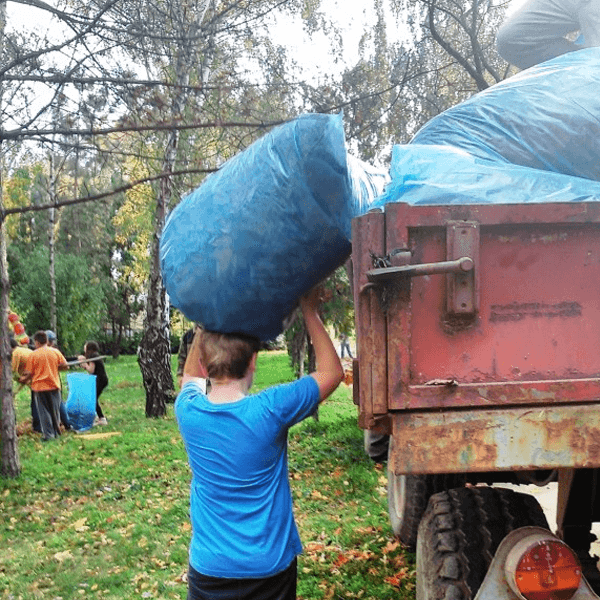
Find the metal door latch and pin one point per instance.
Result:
(462, 252)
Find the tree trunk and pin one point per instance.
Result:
(154, 356)
(51, 269)
(155, 349)
(11, 466)
(51, 246)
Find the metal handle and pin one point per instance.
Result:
(460, 265)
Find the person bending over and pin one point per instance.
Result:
(244, 537)
(536, 32)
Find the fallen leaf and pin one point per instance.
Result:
(340, 560)
(397, 579)
(78, 525)
(62, 556)
(390, 547)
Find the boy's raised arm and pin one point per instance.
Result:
(193, 368)
(329, 372)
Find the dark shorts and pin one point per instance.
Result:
(277, 587)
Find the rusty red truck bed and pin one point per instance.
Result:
(478, 334)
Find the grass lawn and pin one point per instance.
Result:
(106, 516)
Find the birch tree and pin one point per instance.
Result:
(109, 49)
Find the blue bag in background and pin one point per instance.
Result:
(81, 402)
(238, 252)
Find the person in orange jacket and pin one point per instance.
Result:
(42, 375)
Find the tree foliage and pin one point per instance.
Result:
(419, 58)
(114, 92)
(81, 304)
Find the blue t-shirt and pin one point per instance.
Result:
(240, 499)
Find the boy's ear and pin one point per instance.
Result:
(252, 365)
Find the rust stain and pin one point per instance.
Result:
(526, 262)
(506, 440)
(517, 311)
(468, 445)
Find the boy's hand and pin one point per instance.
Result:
(314, 298)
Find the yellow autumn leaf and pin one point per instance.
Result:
(62, 556)
(79, 524)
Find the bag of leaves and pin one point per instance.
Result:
(81, 402)
(238, 252)
(545, 118)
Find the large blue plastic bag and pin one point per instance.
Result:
(368, 182)
(546, 117)
(238, 252)
(81, 402)
(445, 175)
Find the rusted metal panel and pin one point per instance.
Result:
(539, 316)
(368, 241)
(526, 336)
(398, 305)
(448, 393)
(496, 440)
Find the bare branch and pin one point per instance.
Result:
(23, 133)
(100, 196)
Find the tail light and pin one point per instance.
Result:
(543, 569)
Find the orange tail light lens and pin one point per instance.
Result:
(549, 570)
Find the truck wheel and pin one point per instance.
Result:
(407, 499)
(460, 533)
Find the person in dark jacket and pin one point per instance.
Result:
(96, 367)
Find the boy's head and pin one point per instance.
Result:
(40, 337)
(226, 355)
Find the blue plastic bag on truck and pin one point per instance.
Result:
(238, 252)
(532, 138)
(546, 117)
(81, 402)
(445, 175)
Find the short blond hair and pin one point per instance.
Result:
(226, 355)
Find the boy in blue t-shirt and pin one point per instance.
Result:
(244, 537)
